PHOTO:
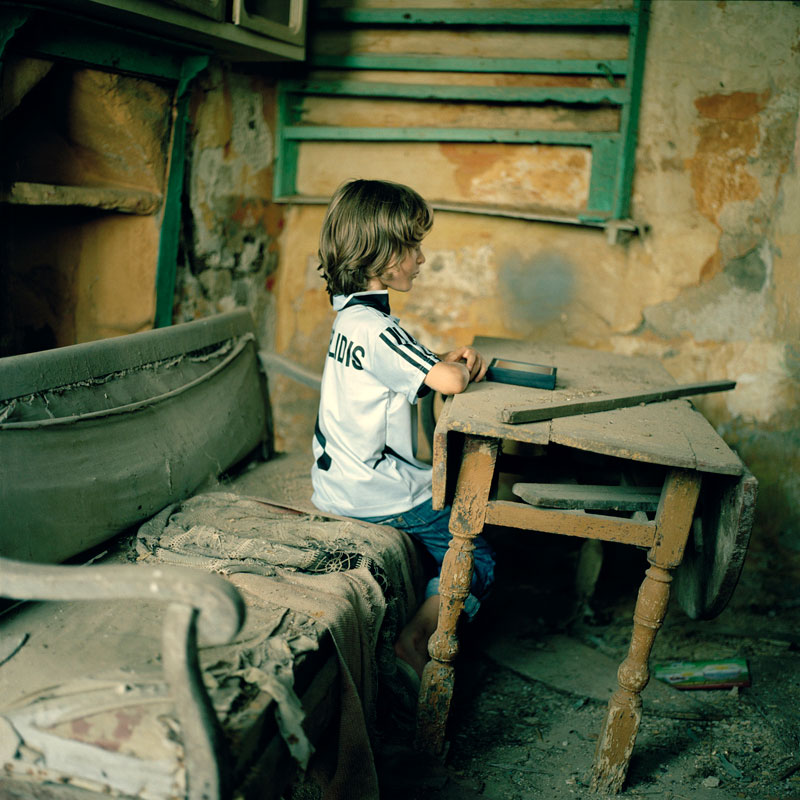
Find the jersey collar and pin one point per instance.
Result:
(379, 300)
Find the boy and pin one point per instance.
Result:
(364, 437)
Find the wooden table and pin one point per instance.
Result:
(671, 438)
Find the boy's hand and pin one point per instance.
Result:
(472, 359)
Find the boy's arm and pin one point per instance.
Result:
(456, 369)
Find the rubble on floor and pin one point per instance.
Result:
(535, 673)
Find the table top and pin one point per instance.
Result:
(670, 433)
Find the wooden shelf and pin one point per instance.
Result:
(125, 201)
(183, 26)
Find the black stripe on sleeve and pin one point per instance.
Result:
(420, 349)
(405, 339)
(396, 333)
(403, 353)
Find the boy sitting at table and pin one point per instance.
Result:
(363, 446)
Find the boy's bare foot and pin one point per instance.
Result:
(412, 644)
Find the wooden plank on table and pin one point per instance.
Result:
(711, 452)
(572, 495)
(581, 372)
(516, 416)
(670, 433)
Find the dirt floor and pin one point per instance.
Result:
(536, 670)
(538, 665)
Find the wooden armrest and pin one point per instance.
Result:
(195, 601)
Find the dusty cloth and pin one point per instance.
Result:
(353, 579)
(350, 606)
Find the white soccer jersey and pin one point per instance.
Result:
(365, 433)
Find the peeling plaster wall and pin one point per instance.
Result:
(229, 249)
(717, 178)
(712, 288)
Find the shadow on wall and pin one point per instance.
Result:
(535, 290)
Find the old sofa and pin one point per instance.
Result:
(195, 629)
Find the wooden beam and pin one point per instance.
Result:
(576, 496)
(482, 17)
(610, 402)
(570, 523)
(366, 133)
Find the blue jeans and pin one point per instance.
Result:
(431, 529)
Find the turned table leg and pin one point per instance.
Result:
(466, 522)
(618, 734)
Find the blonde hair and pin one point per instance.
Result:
(368, 226)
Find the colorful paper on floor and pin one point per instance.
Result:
(722, 674)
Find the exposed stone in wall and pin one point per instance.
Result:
(733, 305)
(724, 203)
(712, 288)
(229, 252)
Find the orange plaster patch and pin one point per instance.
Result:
(738, 105)
(718, 181)
(712, 267)
(471, 160)
(729, 133)
(548, 176)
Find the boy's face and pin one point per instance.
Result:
(400, 275)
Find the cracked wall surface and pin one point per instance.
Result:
(710, 287)
(229, 245)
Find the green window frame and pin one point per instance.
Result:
(613, 153)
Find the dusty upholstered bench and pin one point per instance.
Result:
(206, 638)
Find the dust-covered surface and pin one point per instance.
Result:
(284, 479)
(538, 666)
(535, 672)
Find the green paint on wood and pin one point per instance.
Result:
(96, 44)
(170, 222)
(426, 63)
(333, 133)
(629, 124)
(87, 48)
(492, 94)
(11, 20)
(287, 151)
(613, 153)
(605, 165)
